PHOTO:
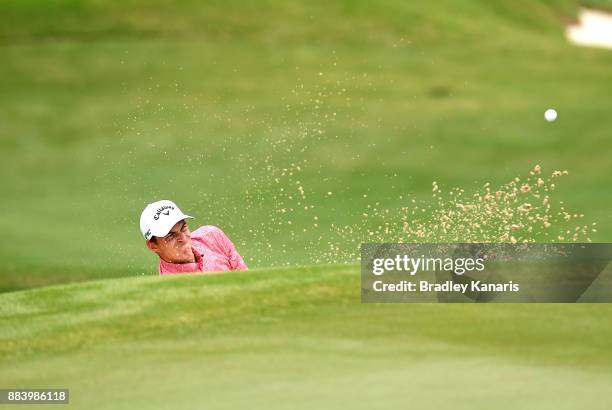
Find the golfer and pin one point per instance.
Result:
(207, 249)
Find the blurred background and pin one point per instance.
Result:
(302, 129)
(283, 123)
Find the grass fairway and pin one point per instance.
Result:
(106, 106)
(281, 122)
(297, 338)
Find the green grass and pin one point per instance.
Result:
(106, 106)
(299, 338)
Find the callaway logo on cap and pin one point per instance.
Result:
(159, 217)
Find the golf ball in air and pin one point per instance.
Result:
(550, 115)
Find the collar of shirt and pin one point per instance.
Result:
(197, 266)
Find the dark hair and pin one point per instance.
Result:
(153, 239)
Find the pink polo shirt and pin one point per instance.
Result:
(213, 252)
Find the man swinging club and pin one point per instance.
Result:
(207, 249)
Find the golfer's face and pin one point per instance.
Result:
(176, 245)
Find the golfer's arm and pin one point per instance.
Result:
(235, 259)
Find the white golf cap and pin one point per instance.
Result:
(159, 217)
